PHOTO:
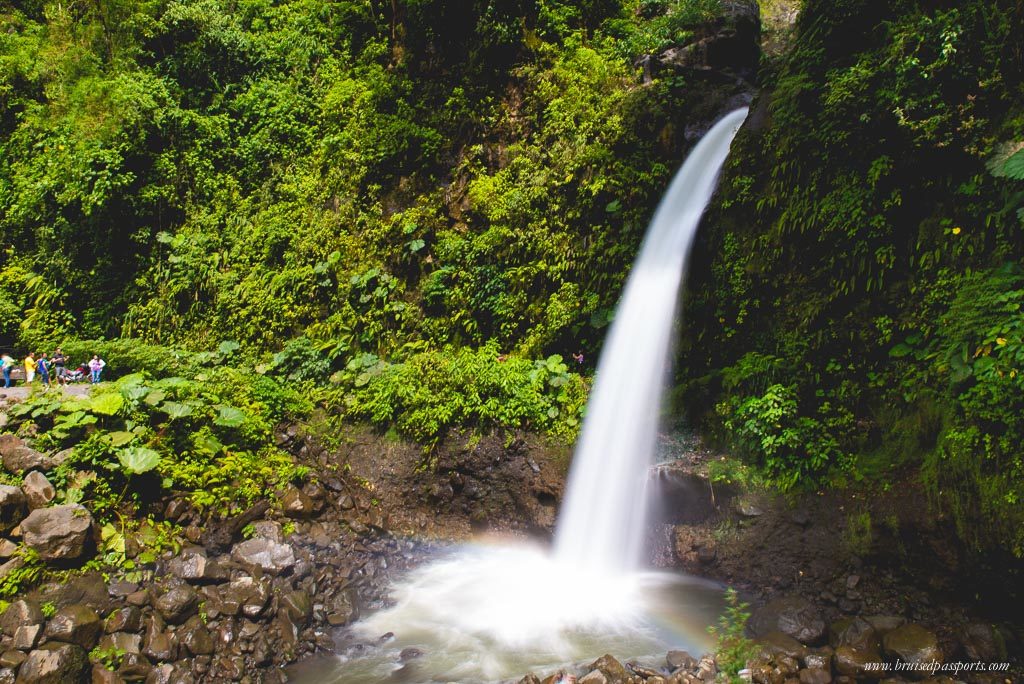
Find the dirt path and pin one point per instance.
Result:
(23, 392)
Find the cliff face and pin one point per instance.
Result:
(855, 307)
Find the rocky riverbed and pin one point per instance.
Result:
(243, 598)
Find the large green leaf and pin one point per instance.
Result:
(176, 410)
(120, 438)
(229, 416)
(155, 397)
(106, 404)
(138, 460)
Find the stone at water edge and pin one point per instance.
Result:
(884, 624)
(13, 507)
(914, 645)
(794, 616)
(610, 668)
(59, 533)
(857, 663)
(54, 663)
(680, 659)
(595, 677)
(38, 490)
(983, 643)
(854, 632)
(815, 676)
(75, 624)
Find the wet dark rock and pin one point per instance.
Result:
(121, 641)
(120, 588)
(190, 564)
(127, 619)
(195, 637)
(59, 533)
(54, 663)
(75, 624)
(410, 653)
(89, 589)
(610, 668)
(342, 609)
(243, 595)
(298, 605)
(13, 507)
(297, 504)
(177, 603)
(158, 644)
(21, 613)
(38, 490)
(815, 676)
(983, 643)
(7, 676)
(680, 660)
(913, 645)
(820, 659)
(270, 556)
(794, 616)
(529, 679)
(134, 667)
(854, 662)
(101, 675)
(854, 632)
(884, 624)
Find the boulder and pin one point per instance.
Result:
(19, 457)
(794, 616)
(595, 677)
(813, 675)
(59, 533)
(272, 557)
(21, 613)
(38, 490)
(884, 624)
(177, 603)
(134, 667)
(13, 507)
(121, 641)
(611, 668)
(127, 619)
(297, 504)
(190, 564)
(101, 675)
(983, 643)
(268, 529)
(54, 663)
(680, 660)
(26, 637)
(858, 663)
(75, 624)
(195, 637)
(342, 609)
(12, 659)
(298, 605)
(855, 632)
(914, 645)
(778, 644)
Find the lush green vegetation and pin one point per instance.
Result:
(861, 315)
(417, 210)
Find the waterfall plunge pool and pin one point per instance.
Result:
(492, 613)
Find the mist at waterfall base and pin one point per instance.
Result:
(486, 613)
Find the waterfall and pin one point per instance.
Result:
(487, 613)
(602, 518)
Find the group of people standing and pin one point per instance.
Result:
(51, 368)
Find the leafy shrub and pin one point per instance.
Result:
(432, 391)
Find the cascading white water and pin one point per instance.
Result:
(601, 522)
(487, 613)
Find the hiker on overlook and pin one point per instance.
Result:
(43, 368)
(96, 367)
(8, 363)
(59, 367)
(30, 368)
